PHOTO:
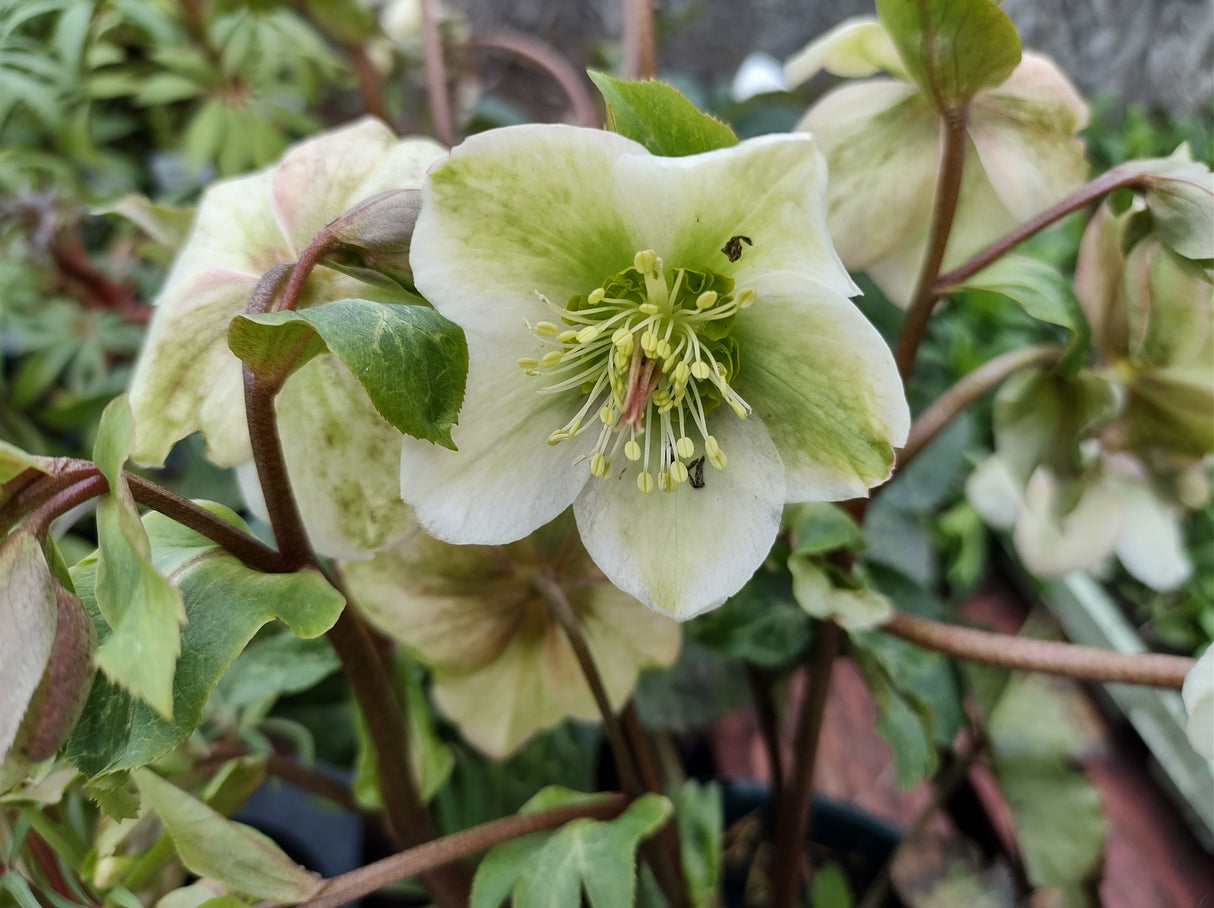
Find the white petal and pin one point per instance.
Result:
(856, 47)
(771, 189)
(1050, 543)
(994, 494)
(686, 551)
(825, 384)
(322, 178)
(518, 210)
(1151, 545)
(505, 480)
(1198, 696)
(882, 141)
(759, 74)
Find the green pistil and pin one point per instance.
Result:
(652, 354)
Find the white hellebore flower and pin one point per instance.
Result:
(1198, 696)
(340, 453)
(667, 344)
(883, 141)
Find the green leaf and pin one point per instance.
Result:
(952, 48)
(830, 888)
(1059, 824)
(281, 664)
(551, 869)
(14, 462)
(659, 117)
(226, 603)
(412, 362)
(1043, 293)
(213, 846)
(825, 593)
(761, 623)
(142, 608)
(905, 724)
(28, 616)
(821, 527)
(700, 818)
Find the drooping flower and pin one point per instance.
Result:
(340, 453)
(503, 667)
(883, 139)
(667, 344)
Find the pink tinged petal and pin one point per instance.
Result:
(1151, 545)
(518, 210)
(320, 179)
(882, 144)
(1024, 131)
(825, 385)
(771, 189)
(343, 462)
(234, 230)
(505, 480)
(1098, 282)
(1053, 543)
(685, 552)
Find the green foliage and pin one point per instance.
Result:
(411, 361)
(225, 602)
(952, 48)
(554, 867)
(29, 615)
(699, 817)
(659, 117)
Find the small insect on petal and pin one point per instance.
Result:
(733, 248)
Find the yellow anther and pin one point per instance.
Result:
(706, 300)
(682, 372)
(528, 362)
(649, 308)
(599, 466)
(589, 333)
(716, 456)
(645, 482)
(685, 447)
(664, 349)
(664, 482)
(608, 415)
(649, 342)
(645, 261)
(546, 329)
(566, 337)
(557, 437)
(700, 369)
(621, 337)
(678, 471)
(596, 296)
(746, 298)
(736, 407)
(668, 364)
(551, 358)
(632, 450)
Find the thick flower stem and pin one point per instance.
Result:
(1050, 656)
(664, 858)
(640, 51)
(1082, 197)
(365, 880)
(765, 709)
(436, 75)
(948, 190)
(39, 521)
(968, 389)
(792, 812)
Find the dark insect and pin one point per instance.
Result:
(695, 473)
(733, 249)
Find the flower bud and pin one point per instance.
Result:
(371, 240)
(66, 681)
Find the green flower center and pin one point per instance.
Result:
(652, 354)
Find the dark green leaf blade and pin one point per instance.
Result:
(659, 117)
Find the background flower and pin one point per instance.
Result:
(341, 454)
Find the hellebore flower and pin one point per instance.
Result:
(340, 453)
(667, 344)
(503, 667)
(883, 141)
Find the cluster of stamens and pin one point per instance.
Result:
(652, 358)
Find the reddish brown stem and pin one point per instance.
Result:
(585, 113)
(436, 76)
(639, 47)
(342, 889)
(1051, 656)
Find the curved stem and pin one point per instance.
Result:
(966, 391)
(40, 489)
(249, 549)
(948, 190)
(548, 59)
(1056, 658)
(640, 51)
(342, 889)
(792, 817)
(436, 76)
(1080, 198)
(82, 490)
